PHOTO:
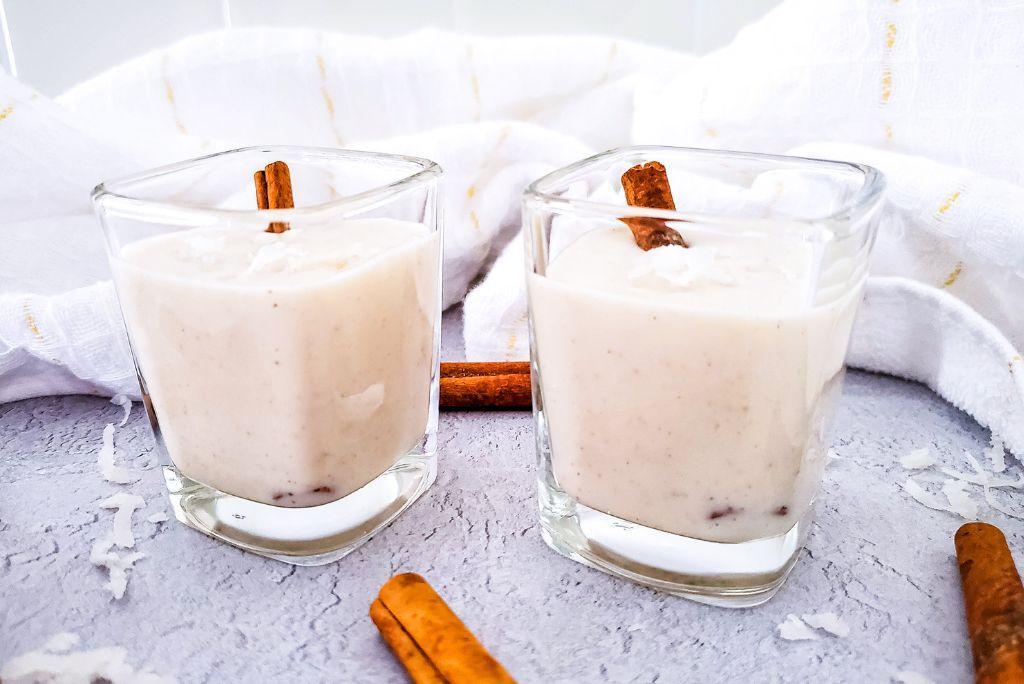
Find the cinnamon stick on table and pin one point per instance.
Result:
(481, 385)
(428, 639)
(994, 603)
(274, 191)
(646, 185)
(413, 659)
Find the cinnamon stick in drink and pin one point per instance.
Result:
(437, 633)
(274, 191)
(260, 180)
(994, 603)
(646, 185)
(486, 385)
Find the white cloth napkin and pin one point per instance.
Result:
(930, 93)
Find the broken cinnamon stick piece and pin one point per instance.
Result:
(438, 633)
(486, 385)
(274, 191)
(415, 662)
(994, 603)
(646, 185)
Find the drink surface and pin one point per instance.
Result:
(292, 368)
(685, 388)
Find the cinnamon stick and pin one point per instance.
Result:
(437, 634)
(646, 185)
(274, 191)
(994, 603)
(413, 659)
(476, 385)
(260, 179)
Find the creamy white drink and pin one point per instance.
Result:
(683, 388)
(289, 369)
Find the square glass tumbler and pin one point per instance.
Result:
(682, 395)
(290, 377)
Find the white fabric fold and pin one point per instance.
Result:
(72, 343)
(914, 331)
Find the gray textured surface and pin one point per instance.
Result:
(203, 611)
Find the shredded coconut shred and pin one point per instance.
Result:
(809, 627)
(124, 505)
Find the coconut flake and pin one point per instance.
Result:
(680, 267)
(974, 463)
(157, 518)
(911, 677)
(277, 256)
(970, 478)
(917, 459)
(830, 622)
(996, 483)
(794, 629)
(126, 505)
(923, 496)
(960, 502)
(105, 459)
(102, 555)
(991, 501)
(52, 663)
(985, 479)
(996, 453)
(125, 403)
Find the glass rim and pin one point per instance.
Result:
(105, 195)
(865, 200)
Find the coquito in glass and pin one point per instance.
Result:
(683, 393)
(291, 376)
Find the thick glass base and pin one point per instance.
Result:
(736, 575)
(302, 536)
